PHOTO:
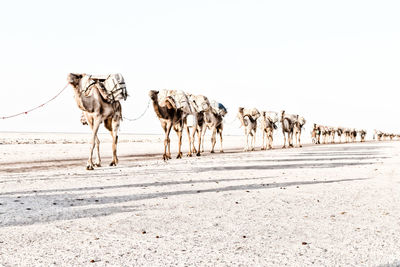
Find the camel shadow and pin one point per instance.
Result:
(70, 206)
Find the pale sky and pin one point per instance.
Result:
(334, 62)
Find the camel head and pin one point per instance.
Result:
(74, 79)
(302, 121)
(282, 115)
(153, 94)
(241, 110)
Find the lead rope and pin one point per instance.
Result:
(35, 108)
(141, 115)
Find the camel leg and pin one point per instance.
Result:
(284, 140)
(300, 140)
(290, 139)
(253, 142)
(98, 159)
(271, 140)
(167, 142)
(263, 141)
(179, 133)
(202, 138)
(190, 141)
(220, 136)
(199, 137)
(213, 139)
(114, 134)
(194, 140)
(96, 124)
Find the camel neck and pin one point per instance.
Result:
(156, 107)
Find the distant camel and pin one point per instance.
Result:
(287, 122)
(347, 134)
(339, 132)
(362, 133)
(316, 133)
(353, 135)
(97, 109)
(268, 125)
(248, 118)
(170, 117)
(298, 125)
(214, 120)
(200, 106)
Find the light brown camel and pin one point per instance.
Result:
(248, 119)
(287, 122)
(170, 117)
(347, 133)
(363, 134)
(200, 106)
(97, 109)
(215, 122)
(268, 122)
(298, 125)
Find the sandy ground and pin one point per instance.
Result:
(327, 205)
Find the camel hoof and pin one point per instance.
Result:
(212, 152)
(283, 147)
(179, 156)
(300, 146)
(165, 157)
(113, 164)
(97, 164)
(222, 151)
(89, 168)
(198, 154)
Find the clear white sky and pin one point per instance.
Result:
(335, 62)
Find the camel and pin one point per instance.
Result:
(362, 133)
(347, 134)
(200, 106)
(325, 134)
(316, 133)
(248, 119)
(378, 135)
(332, 132)
(268, 122)
(287, 122)
(298, 125)
(96, 110)
(213, 120)
(170, 117)
(353, 135)
(339, 132)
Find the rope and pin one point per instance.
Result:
(37, 107)
(144, 112)
(231, 122)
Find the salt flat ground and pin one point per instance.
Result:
(327, 205)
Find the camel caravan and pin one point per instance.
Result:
(292, 126)
(99, 97)
(173, 108)
(326, 135)
(383, 136)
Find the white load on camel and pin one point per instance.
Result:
(181, 100)
(253, 113)
(112, 86)
(218, 108)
